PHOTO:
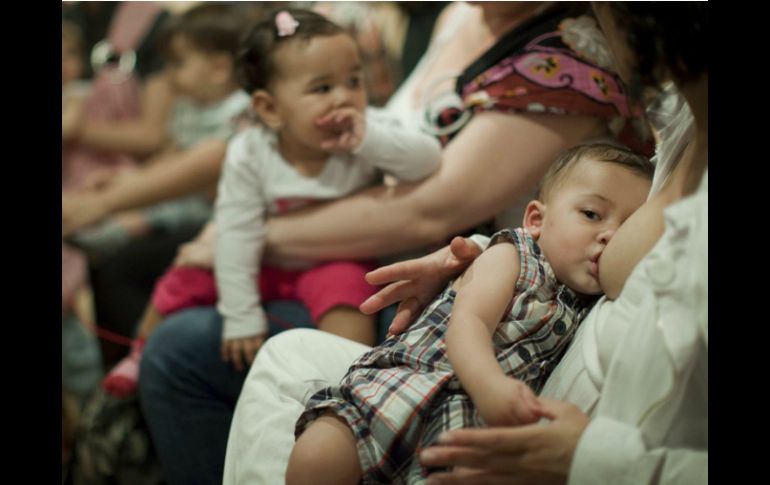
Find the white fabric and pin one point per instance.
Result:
(191, 122)
(651, 421)
(405, 104)
(275, 393)
(257, 182)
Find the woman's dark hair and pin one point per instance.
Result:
(210, 28)
(255, 64)
(665, 36)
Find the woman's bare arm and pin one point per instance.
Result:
(493, 162)
(181, 174)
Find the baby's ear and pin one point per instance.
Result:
(534, 215)
(264, 105)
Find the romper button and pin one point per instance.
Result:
(661, 272)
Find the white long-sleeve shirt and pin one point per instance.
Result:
(257, 182)
(651, 421)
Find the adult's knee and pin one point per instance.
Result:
(177, 344)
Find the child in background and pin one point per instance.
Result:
(525, 297)
(317, 142)
(200, 47)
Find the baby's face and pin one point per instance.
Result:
(313, 78)
(194, 73)
(581, 216)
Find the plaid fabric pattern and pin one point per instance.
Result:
(400, 396)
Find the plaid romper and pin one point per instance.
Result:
(401, 395)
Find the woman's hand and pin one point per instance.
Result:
(531, 454)
(416, 282)
(81, 210)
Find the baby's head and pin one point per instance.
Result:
(298, 66)
(200, 47)
(585, 196)
(72, 56)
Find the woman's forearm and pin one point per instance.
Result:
(132, 137)
(479, 177)
(376, 222)
(181, 174)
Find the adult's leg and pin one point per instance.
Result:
(188, 393)
(289, 368)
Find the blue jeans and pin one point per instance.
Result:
(188, 394)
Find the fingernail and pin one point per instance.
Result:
(443, 438)
(427, 455)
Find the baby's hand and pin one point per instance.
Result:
(509, 402)
(196, 253)
(345, 127)
(238, 350)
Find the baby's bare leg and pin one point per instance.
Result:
(325, 454)
(150, 321)
(350, 323)
(122, 380)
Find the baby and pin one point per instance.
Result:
(525, 295)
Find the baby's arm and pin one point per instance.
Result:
(484, 293)
(381, 141)
(405, 153)
(239, 241)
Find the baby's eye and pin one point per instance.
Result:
(591, 215)
(322, 89)
(354, 82)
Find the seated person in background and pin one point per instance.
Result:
(527, 297)
(317, 143)
(200, 47)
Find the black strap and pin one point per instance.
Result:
(517, 38)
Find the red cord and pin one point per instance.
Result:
(116, 338)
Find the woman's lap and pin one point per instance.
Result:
(189, 394)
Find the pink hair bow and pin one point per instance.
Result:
(285, 23)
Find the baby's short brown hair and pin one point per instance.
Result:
(600, 152)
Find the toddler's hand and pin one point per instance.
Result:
(345, 127)
(509, 402)
(80, 210)
(99, 178)
(197, 254)
(238, 350)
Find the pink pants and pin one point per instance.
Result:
(320, 288)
